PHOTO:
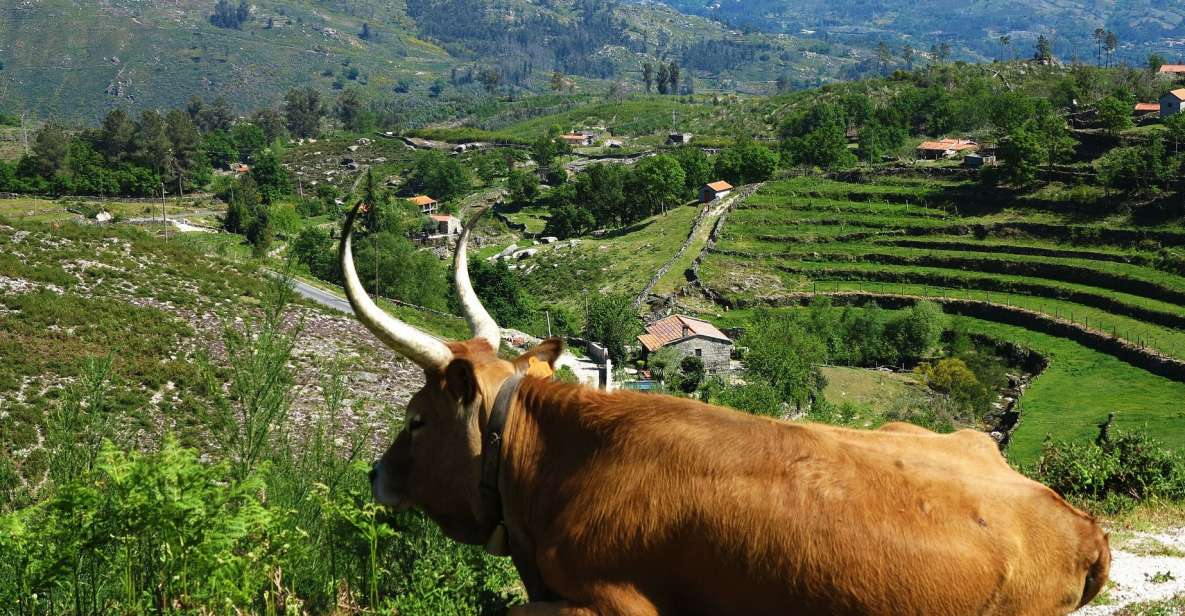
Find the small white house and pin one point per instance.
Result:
(446, 225)
(715, 190)
(1172, 102)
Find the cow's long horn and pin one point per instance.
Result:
(480, 322)
(428, 352)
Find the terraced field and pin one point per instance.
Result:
(1029, 272)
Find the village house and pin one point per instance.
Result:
(1171, 69)
(1142, 109)
(446, 224)
(689, 337)
(240, 168)
(578, 139)
(678, 138)
(1172, 102)
(944, 148)
(427, 204)
(714, 190)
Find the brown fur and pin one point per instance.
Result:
(628, 503)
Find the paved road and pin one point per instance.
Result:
(320, 296)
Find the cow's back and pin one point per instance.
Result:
(710, 511)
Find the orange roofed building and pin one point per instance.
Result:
(689, 337)
(714, 190)
(1171, 69)
(945, 148)
(427, 204)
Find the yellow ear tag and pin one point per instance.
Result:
(538, 368)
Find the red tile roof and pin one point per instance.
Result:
(422, 200)
(948, 144)
(677, 327)
(1179, 94)
(1171, 68)
(440, 217)
(1142, 107)
(719, 186)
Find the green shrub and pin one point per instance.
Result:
(1128, 465)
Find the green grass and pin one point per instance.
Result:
(621, 262)
(912, 236)
(1074, 393)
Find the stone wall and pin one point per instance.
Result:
(716, 354)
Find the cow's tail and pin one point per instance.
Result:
(1096, 575)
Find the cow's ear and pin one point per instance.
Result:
(460, 380)
(540, 359)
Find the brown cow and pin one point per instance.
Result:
(629, 503)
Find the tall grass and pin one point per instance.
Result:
(272, 519)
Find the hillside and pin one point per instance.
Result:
(75, 60)
(973, 31)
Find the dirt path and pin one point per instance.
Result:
(1144, 567)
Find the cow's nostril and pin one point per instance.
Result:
(374, 471)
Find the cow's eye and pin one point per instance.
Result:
(415, 424)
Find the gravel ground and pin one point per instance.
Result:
(1142, 571)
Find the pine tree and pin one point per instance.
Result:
(664, 76)
(673, 79)
(648, 76)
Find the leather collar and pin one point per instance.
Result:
(491, 460)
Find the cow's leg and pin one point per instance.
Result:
(550, 608)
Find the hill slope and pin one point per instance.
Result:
(76, 59)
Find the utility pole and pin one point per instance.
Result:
(164, 216)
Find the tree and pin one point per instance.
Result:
(1110, 44)
(1005, 46)
(600, 191)
(242, 204)
(116, 136)
(817, 137)
(490, 79)
(1100, 34)
(664, 76)
(227, 15)
(50, 148)
(691, 373)
(907, 55)
(270, 176)
(697, 167)
(940, 52)
(153, 148)
(189, 165)
(402, 271)
(611, 320)
(1114, 115)
(523, 186)
(439, 175)
(917, 331)
(1155, 61)
(1175, 131)
(365, 34)
(877, 139)
(557, 81)
(271, 122)
(313, 248)
(783, 354)
(1043, 51)
(500, 291)
(1055, 134)
(217, 116)
(349, 110)
(567, 220)
(548, 147)
(884, 57)
(673, 78)
(303, 111)
(746, 161)
(436, 89)
(656, 181)
(648, 76)
(1020, 155)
